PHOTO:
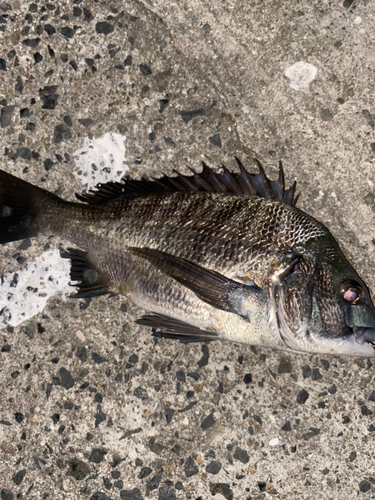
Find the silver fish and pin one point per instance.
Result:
(212, 256)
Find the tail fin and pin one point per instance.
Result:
(20, 205)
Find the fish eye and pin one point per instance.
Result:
(351, 292)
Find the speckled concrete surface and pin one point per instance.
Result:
(91, 406)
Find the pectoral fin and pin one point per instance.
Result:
(210, 286)
(178, 330)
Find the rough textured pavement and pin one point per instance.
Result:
(91, 406)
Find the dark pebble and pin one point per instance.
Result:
(189, 115)
(49, 29)
(369, 118)
(6, 348)
(100, 416)
(352, 456)
(154, 482)
(82, 353)
(144, 472)
(262, 486)
(24, 112)
(241, 455)
(61, 133)
(372, 396)
(213, 467)
(326, 115)
(66, 379)
(325, 364)
(6, 116)
(86, 122)
(31, 42)
(206, 28)
(332, 389)
(306, 371)
(76, 11)
(208, 422)
(285, 366)
(315, 374)
(68, 120)
(215, 140)
(181, 376)
(67, 31)
(169, 142)
(364, 486)
(145, 70)
(3, 65)
(118, 484)
(347, 3)
(302, 396)
(98, 398)
(128, 61)
(24, 153)
(97, 358)
(222, 489)
(286, 427)
(97, 455)
(204, 359)
(18, 478)
(365, 411)
(133, 359)
(104, 28)
(49, 96)
(190, 468)
(7, 495)
(37, 57)
(98, 495)
(155, 447)
(78, 469)
(169, 412)
(87, 15)
(313, 431)
(194, 375)
(48, 164)
(55, 418)
(19, 88)
(248, 378)
(140, 393)
(134, 494)
(163, 103)
(18, 417)
(167, 493)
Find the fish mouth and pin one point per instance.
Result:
(363, 334)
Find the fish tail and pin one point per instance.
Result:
(21, 205)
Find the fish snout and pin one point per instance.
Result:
(363, 334)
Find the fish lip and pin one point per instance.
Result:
(364, 334)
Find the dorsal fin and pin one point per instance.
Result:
(243, 182)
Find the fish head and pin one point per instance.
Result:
(319, 304)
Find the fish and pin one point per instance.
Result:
(215, 255)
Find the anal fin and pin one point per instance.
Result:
(175, 329)
(90, 284)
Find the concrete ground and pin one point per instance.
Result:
(91, 406)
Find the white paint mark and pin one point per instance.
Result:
(100, 160)
(301, 74)
(274, 442)
(25, 294)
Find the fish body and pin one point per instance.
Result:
(211, 256)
